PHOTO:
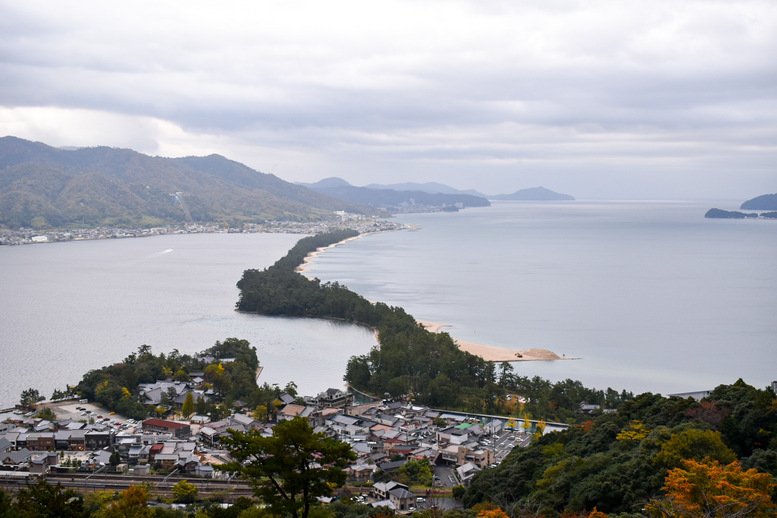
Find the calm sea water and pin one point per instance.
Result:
(651, 296)
(70, 307)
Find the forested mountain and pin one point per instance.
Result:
(42, 186)
(763, 202)
(430, 187)
(395, 200)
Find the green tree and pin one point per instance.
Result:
(696, 445)
(185, 493)
(415, 472)
(6, 502)
(188, 405)
(42, 500)
(30, 397)
(290, 469)
(47, 413)
(181, 375)
(115, 458)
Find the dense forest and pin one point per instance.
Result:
(618, 462)
(411, 362)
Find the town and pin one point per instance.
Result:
(86, 440)
(363, 224)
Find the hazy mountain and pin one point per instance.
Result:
(45, 186)
(430, 187)
(533, 194)
(763, 202)
(395, 200)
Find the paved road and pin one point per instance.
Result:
(445, 476)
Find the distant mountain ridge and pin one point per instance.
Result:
(394, 200)
(533, 194)
(763, 202)
(42, 186)
(430, 187)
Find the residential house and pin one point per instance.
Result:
(98, 439)
(290, 412)
(334, 398)
(402, 498)
(466, 472)
(398, 494)
(380, 490)
(178, 430)
(41, 441)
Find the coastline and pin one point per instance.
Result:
(306, 262)
(487, 352)
(497, 354)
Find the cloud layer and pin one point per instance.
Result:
(598, 99)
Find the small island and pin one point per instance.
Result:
(729, 214)
(764, 202)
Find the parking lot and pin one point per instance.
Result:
(90, 412)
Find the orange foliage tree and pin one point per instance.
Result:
(492, 513)
(709, 489)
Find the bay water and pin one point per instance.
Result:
(70, 307)
(650, 296)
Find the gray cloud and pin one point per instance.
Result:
(644, 96)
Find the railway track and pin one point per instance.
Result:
(229, 490)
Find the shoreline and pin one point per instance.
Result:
(487, 352)
(492, 353)
(308, 260)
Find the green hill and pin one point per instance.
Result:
(42, 186)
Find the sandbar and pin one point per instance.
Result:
(497, 354)
(487, 352)
(305, 266)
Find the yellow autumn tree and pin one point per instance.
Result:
(188, 405)
(132, 503)
(635, 431)
(709, 489)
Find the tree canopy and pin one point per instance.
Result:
(290, 469)
(618, 461)
(708, 490)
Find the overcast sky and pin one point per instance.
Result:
(598, 99)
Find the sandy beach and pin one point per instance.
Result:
(497, 354)
(487, 352)
(312, 255)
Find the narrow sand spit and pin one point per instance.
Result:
(497, 354)
(312, 255)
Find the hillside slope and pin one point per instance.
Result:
(42, 186)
